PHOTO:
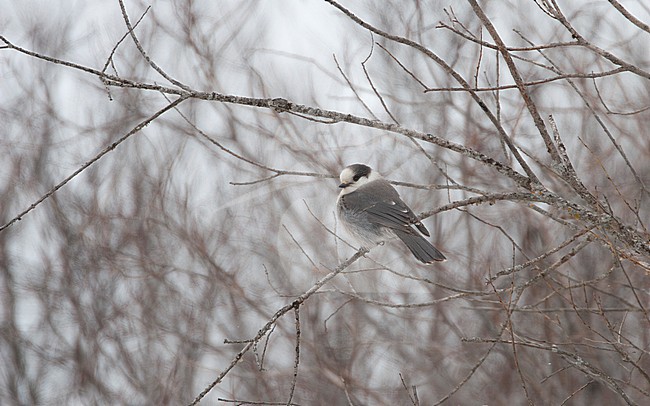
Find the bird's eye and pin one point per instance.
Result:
(356, 177)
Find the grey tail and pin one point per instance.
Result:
(422, 228)
(421, 248)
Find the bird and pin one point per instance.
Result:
(372, 212)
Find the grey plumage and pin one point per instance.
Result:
(372, 211)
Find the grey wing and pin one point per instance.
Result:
(383, 206)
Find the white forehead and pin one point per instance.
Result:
(347, 175)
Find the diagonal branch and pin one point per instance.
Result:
(96, 158)
(493, 119)
(281, 312)
(532, 108)
(144, 54)
(559, 16)
(618, 6)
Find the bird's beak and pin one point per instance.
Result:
(344, 185)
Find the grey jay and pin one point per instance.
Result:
(371, 211)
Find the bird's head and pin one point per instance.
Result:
(354, 176)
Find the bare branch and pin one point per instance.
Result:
(96, 158)
(281, 312)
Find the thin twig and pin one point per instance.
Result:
(532, 178)
(575, 392)
(241, 402)
(472, 370)
(372, 85)
(412, 397)
(558, 77)
(313, 264)
(354, 91)
(411, 74)
(514, 72)
(645, 27)
(276, 172)
(109, 59)
(279, 313)
(144, 53)
(296, 361)
(92, 161)
(561, 18)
